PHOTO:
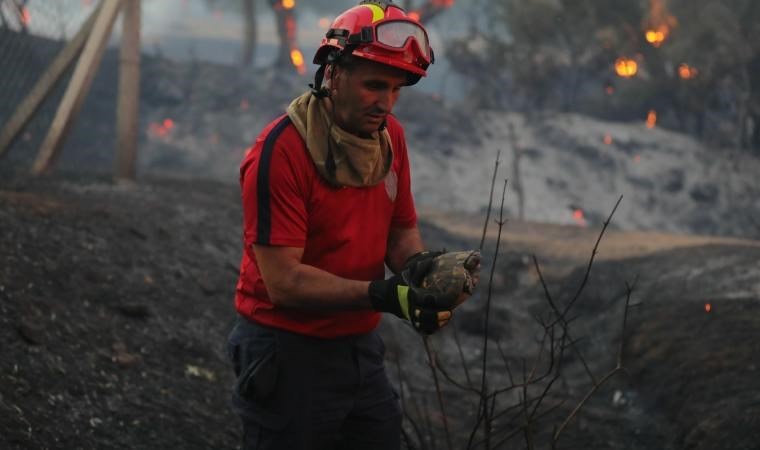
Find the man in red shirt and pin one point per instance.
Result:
(327, 204)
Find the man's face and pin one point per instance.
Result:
(364, 95)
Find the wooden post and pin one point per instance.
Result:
(78, 86)
(26, 109)
(129, 93)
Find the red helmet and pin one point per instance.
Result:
(382, 32)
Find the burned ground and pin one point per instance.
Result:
(116, 300)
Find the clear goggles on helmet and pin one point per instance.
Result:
(395, 35)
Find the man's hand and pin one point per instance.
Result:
(414, 304)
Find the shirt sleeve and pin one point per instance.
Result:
(404, 213)
(273, 203)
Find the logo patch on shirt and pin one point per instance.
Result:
(391, 185)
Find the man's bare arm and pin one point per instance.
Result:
(291, 284)
(402, 243)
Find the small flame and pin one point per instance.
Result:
(161, 129)
(414, 16)
(686, 72)
(297, 58)
(324, 23)
(657, 37)
(26, 18)
(659, 23)
(708, 307)
(288, 4)
(626, 67)
(607, 139)
(651, 118)
(579, 217)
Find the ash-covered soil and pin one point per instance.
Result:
(115, 302)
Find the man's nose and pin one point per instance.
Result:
(385, 101)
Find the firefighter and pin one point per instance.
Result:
(327, 204)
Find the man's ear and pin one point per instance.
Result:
(334, 76)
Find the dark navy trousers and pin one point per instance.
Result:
(297, 392)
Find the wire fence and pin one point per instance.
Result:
(32, 33)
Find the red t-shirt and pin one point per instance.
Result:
(343, 231)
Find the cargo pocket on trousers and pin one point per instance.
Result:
(254, 394)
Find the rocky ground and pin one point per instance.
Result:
(116, 299)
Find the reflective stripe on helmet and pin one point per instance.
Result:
(377, 12)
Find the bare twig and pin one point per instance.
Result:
(482, 406)
(461, 356)
(518, 429)
(490, 201)
(452, 381)
(516, 173)
(506, 363)
(618, 368)
(527, 427)
(591, 260)
(560, 316)
(404, 410)
(431, 361)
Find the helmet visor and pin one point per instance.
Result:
(395, 34)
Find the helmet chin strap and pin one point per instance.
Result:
(317, 89)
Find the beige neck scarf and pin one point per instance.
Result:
(341, 158)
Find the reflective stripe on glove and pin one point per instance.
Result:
(416, 305)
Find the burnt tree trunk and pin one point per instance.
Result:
(249, 32)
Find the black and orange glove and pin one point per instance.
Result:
(399, 295)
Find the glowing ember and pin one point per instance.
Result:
(686, 72)
(297, 58)
(656, 37)
(708, 307)
(324, 23)
(288, 4)
(414, 15)
(626, 67)
(161, 129)
(579, 217)
(25, 16)
(607, 139)
(659, 23)
(651, 118)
